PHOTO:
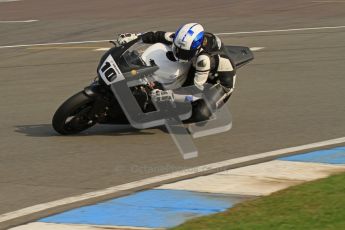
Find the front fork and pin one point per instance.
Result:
(100, 107)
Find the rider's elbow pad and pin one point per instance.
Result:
(227, 79)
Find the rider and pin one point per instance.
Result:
(190, 43)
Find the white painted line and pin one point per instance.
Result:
(3, 1)
(162, 178)
(329, 1)
(50, 226)
(102, 49)
(252, 49)
(232, 33)
(285, 30)
(26, 21)
(54, 43)
(256, 48)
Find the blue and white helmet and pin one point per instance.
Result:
(187, 41)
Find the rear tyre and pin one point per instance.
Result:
(73, 116)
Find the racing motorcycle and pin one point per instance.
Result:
(145, 67)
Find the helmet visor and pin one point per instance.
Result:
(183, 55)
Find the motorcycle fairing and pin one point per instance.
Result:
(239, 55)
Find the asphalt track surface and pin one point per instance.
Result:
(292, 94)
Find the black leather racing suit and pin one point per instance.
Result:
(211, 65)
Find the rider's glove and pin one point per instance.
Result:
(127, 37)
(158, 95)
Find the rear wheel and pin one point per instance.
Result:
(74, 115)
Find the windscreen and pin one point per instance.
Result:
(131, 59)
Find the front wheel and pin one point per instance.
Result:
(73, 116)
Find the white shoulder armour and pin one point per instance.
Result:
(203, 63)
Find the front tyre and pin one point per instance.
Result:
(73, 116)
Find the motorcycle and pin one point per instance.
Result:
(148, 67)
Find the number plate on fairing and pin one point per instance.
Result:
(110, 71)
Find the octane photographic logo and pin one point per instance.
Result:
(171, 115)
(168, 113)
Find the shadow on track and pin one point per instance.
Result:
(46, 130)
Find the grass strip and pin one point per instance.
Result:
(315, 205)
